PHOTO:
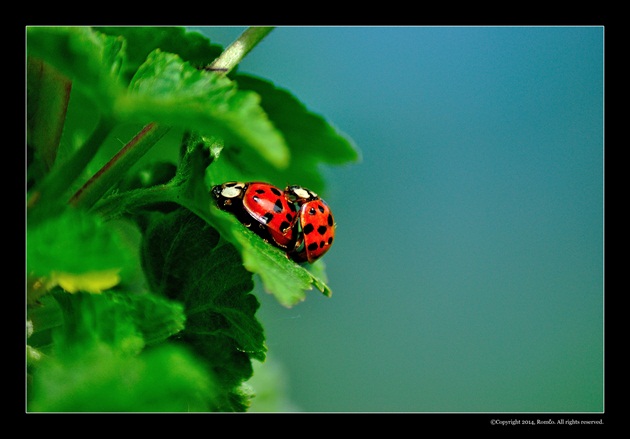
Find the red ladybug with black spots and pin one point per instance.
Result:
(315, 225)
(295, 220)
(262, 208)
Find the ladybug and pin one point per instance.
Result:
(261, 207)
(315, 225)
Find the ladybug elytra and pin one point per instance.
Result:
(261, 207)
(295, 220)
(316, 225)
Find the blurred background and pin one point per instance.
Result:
(467, 272)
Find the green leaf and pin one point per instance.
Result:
(311, 139)
(165, 379)
(191, 46)
(282, 277)
(165, 89)
(156, 318)
(185, 259)
(168, 90)
(123, 321)
(76, 243)
(90, 59)
(91, 320)
(98, 364)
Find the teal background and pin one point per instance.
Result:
(467, 272)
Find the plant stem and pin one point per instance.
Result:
(135, 200)
(61, 177)
(236, 51)
(118, 165)
(48, 94)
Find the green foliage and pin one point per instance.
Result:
(74, 242)
(140, 41)
(312, 140)
(186, 260)
(99, 363)
(139, 287)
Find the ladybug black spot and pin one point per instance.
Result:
(260, 191)
(312, 211)
(312, 247)
(266, 218)
(277, 206)
(276, 192)
(330, 240)
(321, 208)
(322, 229)
(284, 225)
(330, 220)
(308, 229)
(289, 217)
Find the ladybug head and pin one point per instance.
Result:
(299, 193)
(226, 192)
(231, 189)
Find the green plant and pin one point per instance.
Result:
(139, 290)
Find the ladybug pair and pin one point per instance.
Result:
(295, 219)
